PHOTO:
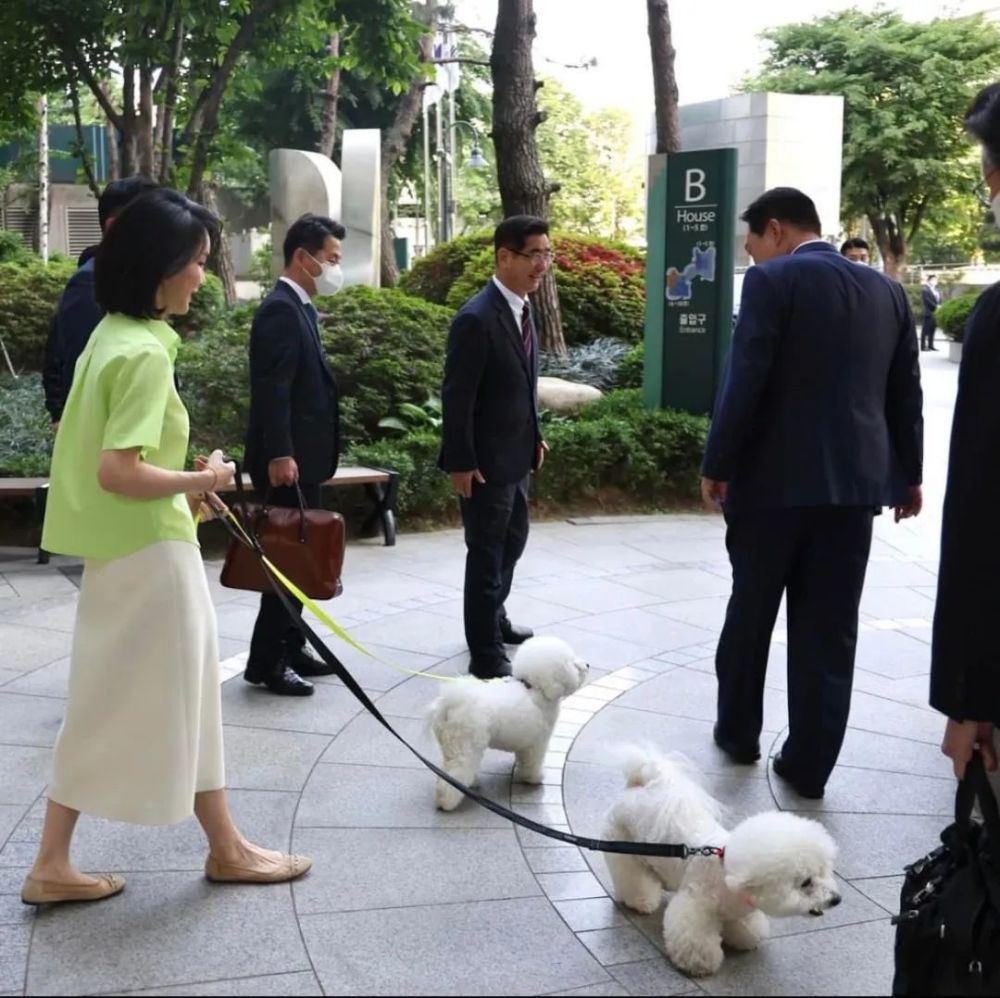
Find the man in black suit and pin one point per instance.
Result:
(491, 436)
(78, 312)
(931, 298)
(293, 438)
(818, 422)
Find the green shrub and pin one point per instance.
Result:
(207, 306)
(432, 276)
(596, 363)
(425, 492)
(386, 348)
(953, 314)
(601, 287)
(25, 435)
(653, 455)
(29, 293)
(13, 248)
(630, 369)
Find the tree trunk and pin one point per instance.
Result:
(328, 116)
(128, 120)
(891, 244)
(147, 144)
(220, 260)
(668, 131)
(114, 171)
(523, 188)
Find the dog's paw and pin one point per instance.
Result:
(529, 776)
(446, 797)
(746, 934)
(697, 961)
(645, 903)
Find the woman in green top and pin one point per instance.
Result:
(141, 740)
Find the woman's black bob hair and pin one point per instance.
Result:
(155, 237)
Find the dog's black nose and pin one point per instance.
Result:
(835, 900)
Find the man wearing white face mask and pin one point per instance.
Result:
(293, 438)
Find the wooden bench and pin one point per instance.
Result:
(380, 485)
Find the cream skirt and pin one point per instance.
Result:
(143, 726)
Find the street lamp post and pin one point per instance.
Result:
(476, 160)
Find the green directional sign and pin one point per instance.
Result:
(689, 277)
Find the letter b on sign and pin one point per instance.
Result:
(694, 185)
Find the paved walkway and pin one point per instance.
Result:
(405, 900)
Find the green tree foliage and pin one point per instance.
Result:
(906, 88)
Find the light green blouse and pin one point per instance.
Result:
(123, 396)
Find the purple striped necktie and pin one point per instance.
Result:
(527, 334)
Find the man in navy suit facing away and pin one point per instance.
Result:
(491, 436)
(817, 425)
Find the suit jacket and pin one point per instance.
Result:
(930, 298)
(490, 393)
(293, 394)
(965, 655)
(820, 402)
(77, 315)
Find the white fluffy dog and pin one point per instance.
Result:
(773, 864)
(515, 715)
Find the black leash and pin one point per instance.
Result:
(664, 850)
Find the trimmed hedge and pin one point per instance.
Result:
(601, 287)
(432, 276)
(29, 292)
(953, 314)
(25, 435)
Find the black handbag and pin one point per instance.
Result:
(948, 929)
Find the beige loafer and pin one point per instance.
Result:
(291, 868)
(50, 892)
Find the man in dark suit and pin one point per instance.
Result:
(818, 423)
(293, 437)
(78, 312)
(931, 298)
(491, 436)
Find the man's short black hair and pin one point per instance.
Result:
(309, 233)
(784, 204)
(982, 121)
(512, 233)
(119, 193)
(156, 236)
(855, 243)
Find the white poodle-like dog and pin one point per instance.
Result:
(775, 864)
(514, 715)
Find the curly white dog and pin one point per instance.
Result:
(515, 715)
(774, 864)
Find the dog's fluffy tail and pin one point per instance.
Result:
(644, 765)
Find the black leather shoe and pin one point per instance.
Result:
(306, 662)
(285, 682)
(512, 634)
(489, 668)
(781, 770)
(745, 755)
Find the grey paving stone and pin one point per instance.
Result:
(29, 720)
(374, 674)
(885, 753)
(895, 602)
(30, 647)
(861, 791)
(114, 846)
(592, 596)
(258, 759)
(416, 631)
(10, 815)
(374, 797)
(677, 584)
(24, 771)
(8, 676)
(14, 941)
(852, 960)
(892, 654)
(570, 886)
(52, 614)
(603, 652)
(47, 680)
(566, 859)
(13, 911)
(359, 869)
(623, 944)
(870, 713)
(518, 947)
(585, 914)
(690, 693)
(304, 983)
(885, 572)
(651, 977)
(325, 712)
(879, 845)
(705, 612)
(176, 922)
(596, 990)
(646, 628)
(884, 891)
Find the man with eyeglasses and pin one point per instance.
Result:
(491, 434)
